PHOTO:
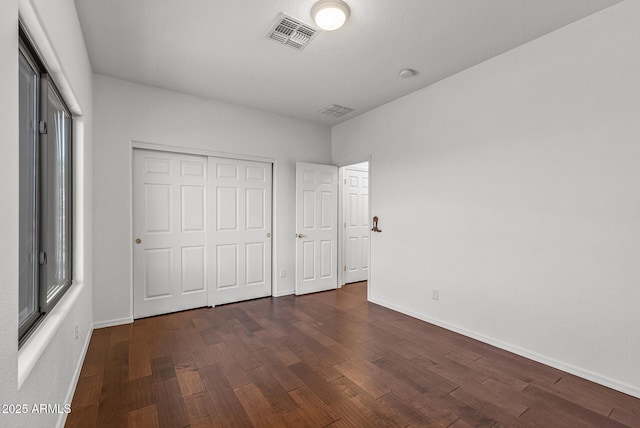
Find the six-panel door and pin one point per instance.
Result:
(316, 227)
(170, 232)
(240, 237)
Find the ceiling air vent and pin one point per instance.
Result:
(291, 32)
(336, 110)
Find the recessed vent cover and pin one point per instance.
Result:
(336, 110)
(291, 32)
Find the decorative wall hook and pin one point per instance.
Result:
(375, 225)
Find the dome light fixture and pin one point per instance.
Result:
(330, 14)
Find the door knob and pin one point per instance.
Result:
(299, 235)
(138, 241)
(268, 235)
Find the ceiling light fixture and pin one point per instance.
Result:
(330, 14)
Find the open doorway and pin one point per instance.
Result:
(355, 233)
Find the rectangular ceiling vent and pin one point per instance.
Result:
(291, 32)
(335, 110)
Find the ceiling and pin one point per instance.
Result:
(218, 49)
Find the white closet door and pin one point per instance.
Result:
(169, 232)
(240, 238)
(356, 225)
(317, 227)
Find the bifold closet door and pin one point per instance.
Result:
(169, 231)
(240, 236)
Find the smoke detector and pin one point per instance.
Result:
(407, 72)
(335, 110)
(291, 32)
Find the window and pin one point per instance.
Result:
(45, 191)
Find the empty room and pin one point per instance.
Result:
(320, 213)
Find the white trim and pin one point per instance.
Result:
(76, 376)
(341, 243)
(201, 152)
(284, 293)
(131, 237)
(31, 351)
(370, 277)
(355, 160)
(560, 365)
(274, 240)
(30, 19)
(350, 168)
(112, 323)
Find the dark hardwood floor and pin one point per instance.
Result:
(324, 360)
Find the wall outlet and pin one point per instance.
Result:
(283, 273)
(435, 294)
(76, 332)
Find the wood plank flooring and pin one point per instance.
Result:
(329, 359)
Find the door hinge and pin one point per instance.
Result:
(345, 224)
(42, 258)
(42, 127)
(344, 268)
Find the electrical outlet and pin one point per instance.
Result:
(435, 294)
(283, 273)
(76, 332)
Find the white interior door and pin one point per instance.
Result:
(356, 225)
(316, 226)
(169, 227)
(240, 238)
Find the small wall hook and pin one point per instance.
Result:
(375, 225)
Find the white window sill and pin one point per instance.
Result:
(31, 351)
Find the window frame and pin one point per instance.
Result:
(42, 223)
(44, 238)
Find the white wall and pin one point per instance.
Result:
(127, 111)
(50, 360)
(513, 188)
(9, 201)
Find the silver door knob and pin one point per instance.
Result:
(299, 235)
(268, 235)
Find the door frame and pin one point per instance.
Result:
(343, 241)
(134, 145)
(341, 256)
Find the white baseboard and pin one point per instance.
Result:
(560, 365)
(283, 293)
(111, 323)
(62, 419)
